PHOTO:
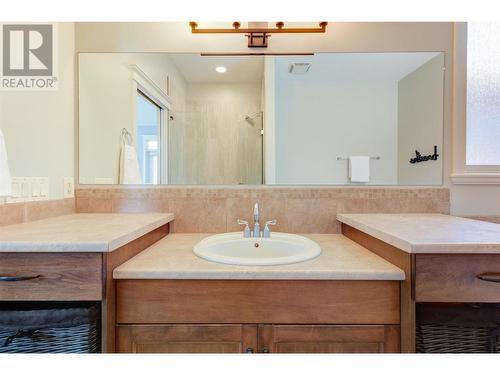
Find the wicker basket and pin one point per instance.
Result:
(61, 330)
(458, 328)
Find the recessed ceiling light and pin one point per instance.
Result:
(221, 69)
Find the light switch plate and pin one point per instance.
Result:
(27, 189)
(68, 187)
(44, 187)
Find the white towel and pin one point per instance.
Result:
(359, 168)
(5, 179)
(129, 165)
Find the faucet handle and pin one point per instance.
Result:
(267, 232)
(246, 231)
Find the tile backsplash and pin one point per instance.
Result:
(211, 209)
(16, 213)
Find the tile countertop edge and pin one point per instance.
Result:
(437, 246)
(382, 236)
(119, 242)
(100, 246)
(258, 275)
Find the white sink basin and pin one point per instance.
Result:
(281, 248)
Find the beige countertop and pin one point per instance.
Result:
(429, 233)
(342, 259)
(79, 232)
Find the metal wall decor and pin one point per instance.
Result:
(419, 158)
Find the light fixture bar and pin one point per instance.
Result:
(279, 29)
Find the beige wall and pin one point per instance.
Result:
(39, 126)
(420, 115)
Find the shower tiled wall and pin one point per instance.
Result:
(297, 209)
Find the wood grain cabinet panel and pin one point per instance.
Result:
(61, 276)
(329, 339)
(186, 338)
(257, 302)
(250, 338)
(454, 278)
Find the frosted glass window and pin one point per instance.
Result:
(483, 93)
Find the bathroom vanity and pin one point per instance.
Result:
(446, 259)
(345, 300)
(71, 258)
(367, 292)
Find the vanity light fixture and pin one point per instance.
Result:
(221, 69)
(258, 36)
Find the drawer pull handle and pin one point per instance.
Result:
(490, 277)
(18, 278)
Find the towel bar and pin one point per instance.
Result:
(371, 157)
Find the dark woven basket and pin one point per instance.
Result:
(70, 330)
(458, 328)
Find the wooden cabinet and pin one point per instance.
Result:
(51, 277)
(187, 338)
(275, 316)
(457, 278)
(71, 276)
(262, 338)
(436, 278)
(328, 339)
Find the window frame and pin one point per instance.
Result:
(143, 83)
(462, 172)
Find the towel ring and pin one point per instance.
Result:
(126, 137)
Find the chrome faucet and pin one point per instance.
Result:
(256, 233)
(256, 216)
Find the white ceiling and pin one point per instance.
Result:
(358, 66)
(347, 66)
(201, 69)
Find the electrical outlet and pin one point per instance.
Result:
(68, 187)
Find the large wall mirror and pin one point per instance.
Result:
(322, 119)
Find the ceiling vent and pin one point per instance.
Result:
(299, 68)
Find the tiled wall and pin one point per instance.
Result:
(15, 213)
(297, 209)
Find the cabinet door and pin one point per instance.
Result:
(328, 339)
(186, 338)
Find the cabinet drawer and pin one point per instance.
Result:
(50, 277)
(456, 278)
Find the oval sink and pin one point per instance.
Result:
(281, 248)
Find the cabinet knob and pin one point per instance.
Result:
(265, 349)
(249, 350)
